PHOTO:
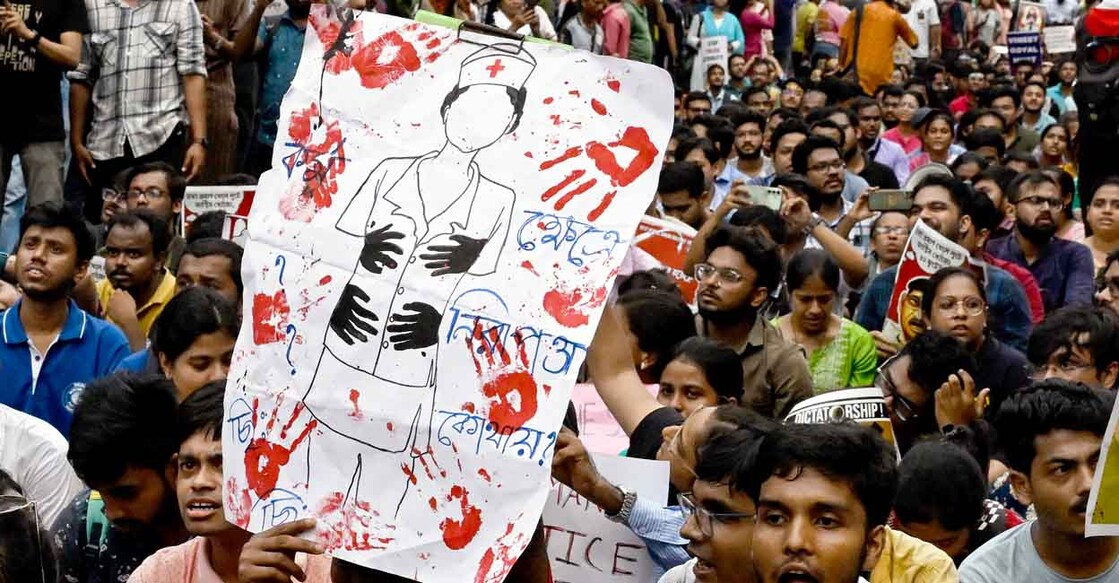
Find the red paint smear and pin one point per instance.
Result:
(484, 566)
(614, 85)
(566, 198)
(388, 425)
(468, 407)
(528, 265)
(633, 138)
(458, 534)
(484, 474)
(547, 390)
(569, 154)
(264, 459)
(328, 31)
(528, 155)
(556, 119)
(512, 398)
(239, 504)
(562, 184)
(598, 107)
(348, 525)
(408, 473)
(320, 181)
(266, 309)
(504, 552)
(325, 280)
(602, 206)
(376, 74)
(548, 100)
(574, 92)
(354, 396)
(570, 308)
(433, 503)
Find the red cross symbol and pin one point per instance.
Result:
(495, 68)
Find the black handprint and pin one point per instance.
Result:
(374, 254)
(454, 258)
(418, 330)
(350, 318)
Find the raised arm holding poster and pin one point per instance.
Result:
(926, 251)
(425, 266)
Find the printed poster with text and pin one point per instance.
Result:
(1103, 501)
(426, 264)
(926, 252)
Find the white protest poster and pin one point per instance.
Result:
(865, 406)
(926, 252)
(1059, 39)
(586, 547)
(712, 50)
(232, 200)
(425, 265)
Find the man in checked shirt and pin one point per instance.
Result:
(143, 70)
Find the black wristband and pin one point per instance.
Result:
(34, 42)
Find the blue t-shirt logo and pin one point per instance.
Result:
(71, 395)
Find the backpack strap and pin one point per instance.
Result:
(96, 527)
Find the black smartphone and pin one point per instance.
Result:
(891, 200)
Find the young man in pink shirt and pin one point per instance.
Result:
(615, 26)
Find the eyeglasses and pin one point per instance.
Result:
(114, 195)
(836, 164)
(887, 230)
(152, 193)
(903, 408)
(973, 306)
(706, 520)
(1038, 373)
(1040, 201)
(725, 274)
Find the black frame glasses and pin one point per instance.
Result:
(706, 520)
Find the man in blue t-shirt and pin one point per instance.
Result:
(51, 348)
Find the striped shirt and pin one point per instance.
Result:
(134, 58)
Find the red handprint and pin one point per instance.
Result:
(494, 566)
(457, 532)
(338, 37)
(351, 524)
(319, 149)
(263, 458)
(270, 317)
(507, 383)
(396, 53)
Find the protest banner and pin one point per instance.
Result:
(865, 406)
(586, 547)
(1031, 17)
(1059, 39)
(668, 242)
(926, 251)
(426, 264)
(232, 200)
(1103, 501)
(713, 50)
(97, 268)
(1024, 47)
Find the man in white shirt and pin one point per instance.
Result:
(33, 453)
(924, 18)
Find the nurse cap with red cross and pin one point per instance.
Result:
(500, 64)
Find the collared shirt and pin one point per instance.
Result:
(731, 173)
(1064, 270)
(86, 348)
(908, 558)
(1009, 311)
(891, 155)
(774, 371)
(659, 528)
(148, 312)
(134, 60)
(1063, 103)
(34, 454)
(283, 44)
(859, 236)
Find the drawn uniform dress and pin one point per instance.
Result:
(400, 384)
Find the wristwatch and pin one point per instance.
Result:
(814, 222)
(34, 42)
(205, 143)
(629, 498)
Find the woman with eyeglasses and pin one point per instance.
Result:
(956, 305)
(841, 353)
(904, 134)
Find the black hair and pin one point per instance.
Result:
(786, 127)
(961, 194)
(722, 135)
(939, 482)
(517, 97)
(681, 131)
(762, 216)
(827, 124)
(1003, 91)
(209, 224)
(1025, 158)
(748, 116)
(747, 92)
(695, 96)
(51, 215)
(942, 115)
(656, 279)
(682, 176)
(157, 227)
(176, 181)
(1043, 407)
(890, 90)
(784, 113)
(921, 102)
(844, 452)
(809, 145)
(969, 158)
(190, 314)
(728, 457)
(790, 80)
(933, 356)
(986, 138)
(27, 551)
(983, 213)
(1031, 179)
(719, 65)
(202, 412)
(121, 421)
(760, 254)
(686, 145)
(811, 262)
(1000, 175)
(1036, 84)
(212, 246)
(942, 275)
(660, 321)
(709, 121)
(827, 112)
(721, 365)
(991, 113)
(862, 102)
(1063, 329)
(730, 108)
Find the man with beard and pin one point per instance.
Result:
(1060, 95)
(51, 347)
(717, 93)
(1051, 433)
(750, 162)
(889, 98)
(160, 188)
(735, 280)
(869, 115)
(819, 160)
(738, 71)
(1007, 101)
(1033, 102)
(682, 193)
(280, 42)
(858, 162)
(121, 445)
(137, 286)
(1063, 269)
(946, 204)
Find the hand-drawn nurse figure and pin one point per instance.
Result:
(425, 222)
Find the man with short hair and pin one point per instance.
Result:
(137, 286)
(1062, 268)
(782, 143)
(869, 115)
(1079, 344)
(818, 158)
(988, 143)
(750, 162)
(735, 280)
(683, 194)
(1060, 95)
(988, 219)
(1051, 433)
(51, 347)
(214, 263)
(1007, 101)
(858, 161)
(757, 99)
(696, 103)
(737, 72)
(945, 204)
(1033, 104)
(716, 86)
(121, 445)
(702, 153)
(160, 187)
(889, 98)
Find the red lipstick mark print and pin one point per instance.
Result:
(506, 382)
(263, 458)
(270, 317)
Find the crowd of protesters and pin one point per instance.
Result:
(111, 406)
